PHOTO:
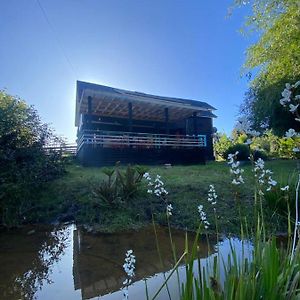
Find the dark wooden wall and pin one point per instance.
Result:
(95, 155)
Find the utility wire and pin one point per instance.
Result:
(56, 38)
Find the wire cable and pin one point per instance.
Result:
(56, 38)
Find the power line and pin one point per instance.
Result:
(56, 38)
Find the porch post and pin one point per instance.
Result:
(167, 120)
(130, 116)
(195, 123)
(89, 112)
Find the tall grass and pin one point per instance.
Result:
(270, 271)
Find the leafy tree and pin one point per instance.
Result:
(24, 163)
(276, 56)
(221, 143)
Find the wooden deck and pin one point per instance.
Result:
(108, 147)
(113, 139)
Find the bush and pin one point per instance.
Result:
(243, 151)
(24, 164)
(221, 144)
(259, 154)
(120, 187)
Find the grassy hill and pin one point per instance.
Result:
(71, 197)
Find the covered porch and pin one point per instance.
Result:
(128, 124)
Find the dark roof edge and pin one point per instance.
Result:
(98, 87)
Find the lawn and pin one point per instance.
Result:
(71, 197)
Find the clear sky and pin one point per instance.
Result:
(180, 48)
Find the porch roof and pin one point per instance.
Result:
(108, 101)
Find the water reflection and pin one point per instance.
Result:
(98, 259)
(68, 263)
(26, 257)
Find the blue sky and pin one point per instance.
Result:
(186, 49)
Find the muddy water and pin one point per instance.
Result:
(68, 263)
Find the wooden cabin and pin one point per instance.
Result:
(137, 128)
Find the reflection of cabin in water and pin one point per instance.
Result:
(131, 127)
(98, 259)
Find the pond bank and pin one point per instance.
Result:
(70, 198)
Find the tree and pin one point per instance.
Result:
(24, 163)
(276, 56)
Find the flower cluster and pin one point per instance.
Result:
(203, 217)
(263, 176)
(156, 188)
(150, 183)
(169, 210)
(234, 169)
(212, 195)
(291, 101)
(129, 266)
(287, 99)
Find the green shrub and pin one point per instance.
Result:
(286, 146)
(221, 144)
(120, 187)
(24, 164)
(259, 154)
(243, 151)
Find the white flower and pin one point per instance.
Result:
(288, 86)
(203, 216)
(234, 169)
(156, 188)
(234, 181)
(212, 195)
(285, 188)
(290, 133)
(263, 176)
(169, 210)
(286, 93)
(293, 108)
(283, 101)
(129, 266)
(272, 182)
(241, 180)
(296, 149)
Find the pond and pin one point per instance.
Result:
(68, 263)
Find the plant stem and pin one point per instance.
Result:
(296, 219)
(175, 268)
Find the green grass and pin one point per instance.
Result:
(71, 195)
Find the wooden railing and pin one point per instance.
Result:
(117, 139)
(70, 149)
